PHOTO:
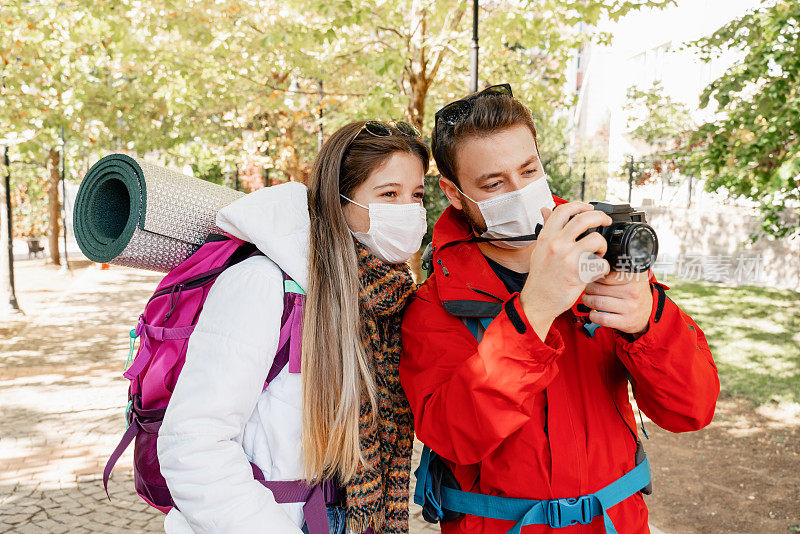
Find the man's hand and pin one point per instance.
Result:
(554, 282)
(627, 297)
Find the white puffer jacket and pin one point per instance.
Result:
(218, 418)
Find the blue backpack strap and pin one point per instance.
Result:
(290, 286)
(622, 488)
(422, 476)
(557, 513)
(477, 325)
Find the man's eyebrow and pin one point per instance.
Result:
(488, 175)
(530, 160)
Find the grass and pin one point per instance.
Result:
(753, 333)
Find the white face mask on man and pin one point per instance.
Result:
(516, 213)
(395, 230)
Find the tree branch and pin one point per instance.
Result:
(455, 17)
(281, 90)
(394, 31)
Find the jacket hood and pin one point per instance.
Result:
(276, 220)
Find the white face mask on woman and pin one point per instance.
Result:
(515, 213)
(395, 230)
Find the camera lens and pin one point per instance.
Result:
(640, 245)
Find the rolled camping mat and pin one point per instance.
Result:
(131, 212)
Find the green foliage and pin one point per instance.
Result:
(29, 199)
(751, 149)
(241, 77)
(418, 48)
(209, 170)
(662, 123)
(565, 174)
(656, 118)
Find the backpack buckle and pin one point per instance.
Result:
(561, 513)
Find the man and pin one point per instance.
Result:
(536, 406)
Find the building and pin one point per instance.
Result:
(647, 46)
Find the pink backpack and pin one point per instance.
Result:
(163, 329)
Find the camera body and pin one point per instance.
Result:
(632, 243)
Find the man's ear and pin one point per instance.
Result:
(450, 190)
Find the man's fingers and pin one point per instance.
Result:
(583, 221)
(591, 266)
(607, 303)
(615, 278)
(560, 215)
(593, 242)
(598, 288)
(610, 320)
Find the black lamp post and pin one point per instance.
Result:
(473, 49)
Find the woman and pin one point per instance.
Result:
(344, 417)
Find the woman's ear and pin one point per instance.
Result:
(451, 191)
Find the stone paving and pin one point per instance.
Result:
(61, 403)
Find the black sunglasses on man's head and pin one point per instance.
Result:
(457, 111)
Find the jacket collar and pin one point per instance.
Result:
(467, 285)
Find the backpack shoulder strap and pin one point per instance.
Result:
(291, 336)
(477, 325)
(290, 286)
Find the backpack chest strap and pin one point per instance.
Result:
(556, 513)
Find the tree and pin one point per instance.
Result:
(84, 67)
(752, 147)
(245, 79)
(417, 51)
(662, 125)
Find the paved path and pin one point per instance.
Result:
(62, 399)
(62, 403)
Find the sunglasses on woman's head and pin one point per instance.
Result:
(457, 111)
(382, 129)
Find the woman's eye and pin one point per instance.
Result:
(420, 196)
(530, 171)
(389, 194)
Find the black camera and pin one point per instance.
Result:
(632, 243)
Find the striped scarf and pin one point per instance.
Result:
(377, 496)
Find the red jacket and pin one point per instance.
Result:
(518, 417)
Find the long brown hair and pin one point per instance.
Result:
(335, 369)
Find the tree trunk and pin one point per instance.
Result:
(5, 285)
(54, 207)
(420, 73)
(416, 114)
(417, 91)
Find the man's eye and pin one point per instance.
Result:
(420, 196)
(530, 171)
(492, 186)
